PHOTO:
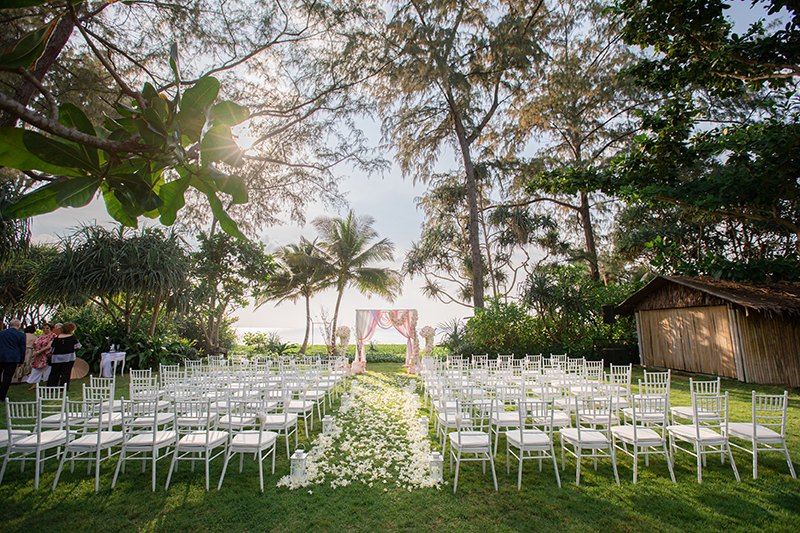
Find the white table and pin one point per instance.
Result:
(109, 362)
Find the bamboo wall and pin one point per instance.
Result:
(693, 339)
(771, 348)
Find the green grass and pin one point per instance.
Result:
(771, 503)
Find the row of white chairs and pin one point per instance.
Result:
(645, 420)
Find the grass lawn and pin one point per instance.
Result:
(770, 503)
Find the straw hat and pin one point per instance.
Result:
(79, 369)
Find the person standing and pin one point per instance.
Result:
(12, 353)
(40, 368)
(25, 369)
(64, 347)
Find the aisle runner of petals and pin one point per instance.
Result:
(376, 439)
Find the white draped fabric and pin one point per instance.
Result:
(403, 320)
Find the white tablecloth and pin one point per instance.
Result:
(106, 360)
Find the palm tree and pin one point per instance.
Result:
(346, 243)
(303, 272)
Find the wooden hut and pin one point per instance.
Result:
(703, 325)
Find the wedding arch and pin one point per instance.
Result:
(403, 320)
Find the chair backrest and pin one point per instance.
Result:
(52, 401)
(649, 410)
(22, 416)
(655, 383)
(711, 387)
(769, 411)
(536, 414)
(593, 412)
(193, 415)
(103, 386)
(710, 412)
(593, 370)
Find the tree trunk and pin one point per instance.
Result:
(58, 39)
(588, 233)
(308, 325)
(472, 200)
(335, 319)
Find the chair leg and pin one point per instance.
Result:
(578, 468)
(260, 470)
(785, 452)
(458, 464)
(755, 460)
(733, 463)
(58, 472)
(555, 464)
(120, 461)
(171, 467)
(613, 454)
(224, 468)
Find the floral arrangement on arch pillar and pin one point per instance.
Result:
(343, 333)
(427, 333)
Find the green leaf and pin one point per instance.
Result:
(227, 224)
(201, 94)
(14, 154)
(155, 121)
(218, 145)
(57, 153)
(78, 192)
(38, 202)
(172, 195)
(229, 114)
(174, 63)
(235, 187)
(72, 116)
(191, 123)
(114, 208)
(26, 51)
(149, 92)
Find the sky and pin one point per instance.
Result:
(389, 199)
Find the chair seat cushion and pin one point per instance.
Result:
(744, 430)
(469, 439)
(201, 440)
(279, 420)
(50, 438)
(588, 437)
(505, 419)
(644, 436)
(146, 421)
(107, 438)
(706, 436)
(17, 433)
(146, 439)
(249, 439)
(528, 438)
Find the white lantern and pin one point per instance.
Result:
(298, 459)
(327, 424)
(423, 426)
(437, 467)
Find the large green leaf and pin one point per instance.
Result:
(235, 187)
(78, 192)
(229, 114)
(227, 224)
(57, 153)
(218, 145)
(172, 195)
(38, 202)
(14, 154)
(24, 52)
(72, 116)
(114, 208)
(201, 94)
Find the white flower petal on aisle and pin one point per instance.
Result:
(375, 439)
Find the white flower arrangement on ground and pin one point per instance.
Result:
(376, 439)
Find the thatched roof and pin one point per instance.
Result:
(777, 298)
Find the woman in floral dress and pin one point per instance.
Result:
(40, 346)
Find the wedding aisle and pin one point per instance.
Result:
(376, 439)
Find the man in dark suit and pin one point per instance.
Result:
(12, 353)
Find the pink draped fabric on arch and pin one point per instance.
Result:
(403, 320)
